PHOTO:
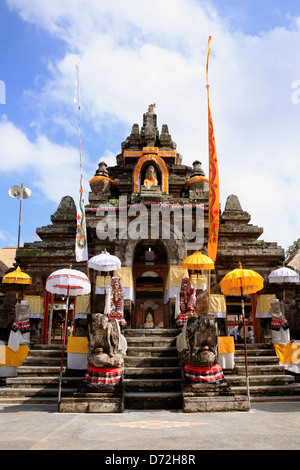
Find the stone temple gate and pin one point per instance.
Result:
(134, 209)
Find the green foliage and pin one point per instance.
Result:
(292, 248)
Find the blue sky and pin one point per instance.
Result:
(133, 54)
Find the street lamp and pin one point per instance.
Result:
(20, 193)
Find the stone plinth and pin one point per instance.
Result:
(212, 398)
(99, 400)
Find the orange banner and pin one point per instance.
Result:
(213, 202)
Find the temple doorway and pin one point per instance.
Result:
(150, 269)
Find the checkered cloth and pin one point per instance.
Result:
(276, 324)
(180, 320)
(103, 376)
(210, 375)
(24, 326)
(120, 319)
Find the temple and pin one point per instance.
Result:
(151, 211)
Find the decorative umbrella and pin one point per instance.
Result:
(17, 277)
(68, 282)
(197, 261)
(283, 275)
(104, 262)
(240, 282)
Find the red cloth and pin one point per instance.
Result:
(103, 375)
(213, 375)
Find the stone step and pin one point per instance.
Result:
(41, 353)
(133, 361)
(32, 382)
(239, 380)
(153, 400)
(255, 352)
(44, 392)
(258, 360)
(258, 370)
(45, 361)
(152, 385)
(152, 372)
(157, 351)
(254, 346)
(263, 392)
(91, 405)
(151, 332)
(151, 342)
(38, 371)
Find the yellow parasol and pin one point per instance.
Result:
(240, 282)
(198, 261)
(17, 277)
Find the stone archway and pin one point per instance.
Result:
(150, 269)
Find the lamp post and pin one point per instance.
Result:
(20, 193)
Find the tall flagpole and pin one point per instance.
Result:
(213, 203)
(81, 248)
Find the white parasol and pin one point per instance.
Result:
(283, 276)
(68, 282)
(104, 262)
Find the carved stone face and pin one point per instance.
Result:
(275, 310)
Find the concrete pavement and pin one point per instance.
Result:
(267, 426)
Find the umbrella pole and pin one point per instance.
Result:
(245, 345)
(63, 349)
(208, 291)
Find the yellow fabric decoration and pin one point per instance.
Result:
(202, 280)
(175, 275)
(15, 358)
(126, 276)
(100, 281)
(217, 303)
(77, 344)
(264, 303)
(82, 304)
(226, 344)
(36, 303)
(288, 353)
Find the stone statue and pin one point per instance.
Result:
(20, 330)
(197, 347)
(114, 301)
(151, 108)
(279, 325)
(106, 343)
(185, 302)
(150, 177)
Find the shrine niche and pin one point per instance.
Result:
(153, 169)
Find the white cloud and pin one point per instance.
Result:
(134, 53)
(54, 169)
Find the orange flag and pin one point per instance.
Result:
(213, 202)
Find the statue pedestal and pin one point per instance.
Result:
(205, 398)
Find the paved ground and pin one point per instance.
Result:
(268, 426)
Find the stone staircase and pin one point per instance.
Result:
(152, 376)
(268, 380)
(38, 378)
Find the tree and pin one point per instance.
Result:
(292, 248)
